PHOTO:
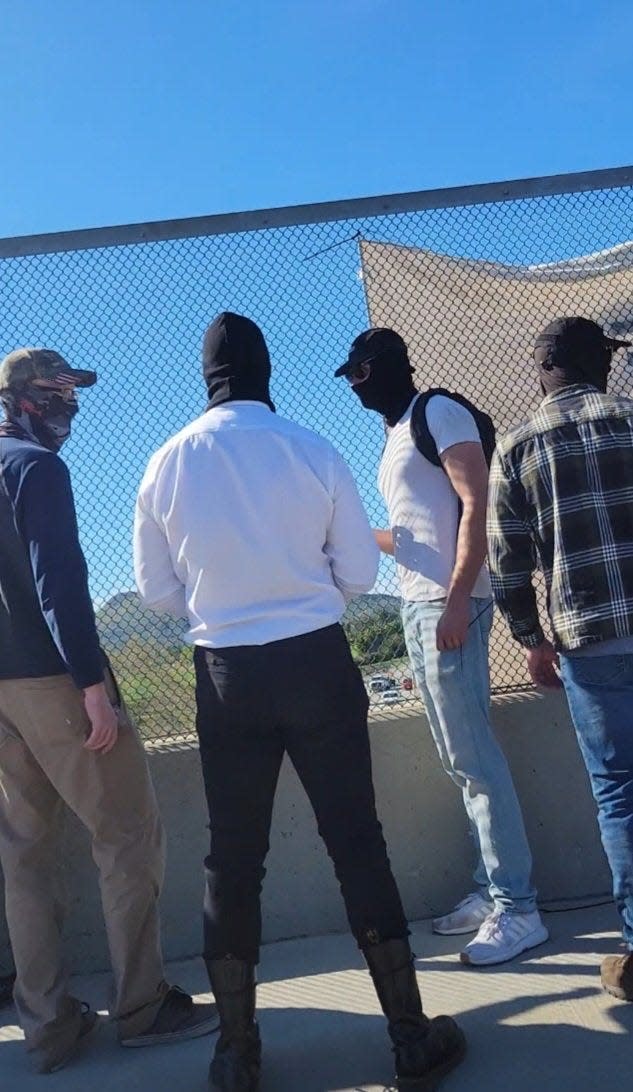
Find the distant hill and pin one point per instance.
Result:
(368, 606)
(124, 617)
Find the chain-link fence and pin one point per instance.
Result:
(467, 276)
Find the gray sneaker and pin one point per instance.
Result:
(54, 1058)
(178, 1018)
(467, 916)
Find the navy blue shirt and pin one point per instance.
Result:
(47, 622)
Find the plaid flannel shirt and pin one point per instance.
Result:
(561, 499)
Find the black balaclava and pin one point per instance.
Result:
(235, 361)
(389, 388)
(574, 350)
(43, 414)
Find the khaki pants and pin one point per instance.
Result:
(43, 764)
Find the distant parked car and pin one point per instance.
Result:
(380, 683)
(390, 697)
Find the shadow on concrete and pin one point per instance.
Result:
(526, 1031)
(551, 1056)
(318, 1050)
(306, 956)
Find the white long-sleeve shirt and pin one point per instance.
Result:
(251, 527)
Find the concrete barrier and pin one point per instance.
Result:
(424, 825)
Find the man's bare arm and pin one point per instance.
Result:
(467, 471)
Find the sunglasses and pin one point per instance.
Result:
(358, 374)
(66, 391)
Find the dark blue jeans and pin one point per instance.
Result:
(600, 695)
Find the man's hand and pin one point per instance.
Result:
(104, 730)
(385, 541)
(452, 627)
(541, 664)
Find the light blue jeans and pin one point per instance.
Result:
(455, 688)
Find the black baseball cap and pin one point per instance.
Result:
(575, 335)
(373, 343)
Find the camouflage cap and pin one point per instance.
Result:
(22, 366)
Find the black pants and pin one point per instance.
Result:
(305, 696)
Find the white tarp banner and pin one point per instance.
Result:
(470, 325)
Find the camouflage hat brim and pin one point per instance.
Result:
(28, 365)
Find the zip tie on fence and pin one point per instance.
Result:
(326, 249)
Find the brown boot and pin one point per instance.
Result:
(617, 976)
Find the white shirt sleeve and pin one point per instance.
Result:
(449, 423)
(157, 583)
(350, 544)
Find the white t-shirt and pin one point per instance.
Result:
(423, 507)
(252, 528)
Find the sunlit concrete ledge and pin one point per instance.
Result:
(423, 819)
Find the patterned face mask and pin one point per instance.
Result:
(50, 411)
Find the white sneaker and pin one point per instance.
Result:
(466, 917)
(504, 936)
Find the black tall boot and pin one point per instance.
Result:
(425, 1050)
(237, 1060)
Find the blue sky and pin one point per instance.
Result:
(149, 109)
(138, 110)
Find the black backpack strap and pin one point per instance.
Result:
(420, 432)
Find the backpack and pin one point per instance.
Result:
(420, 430)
